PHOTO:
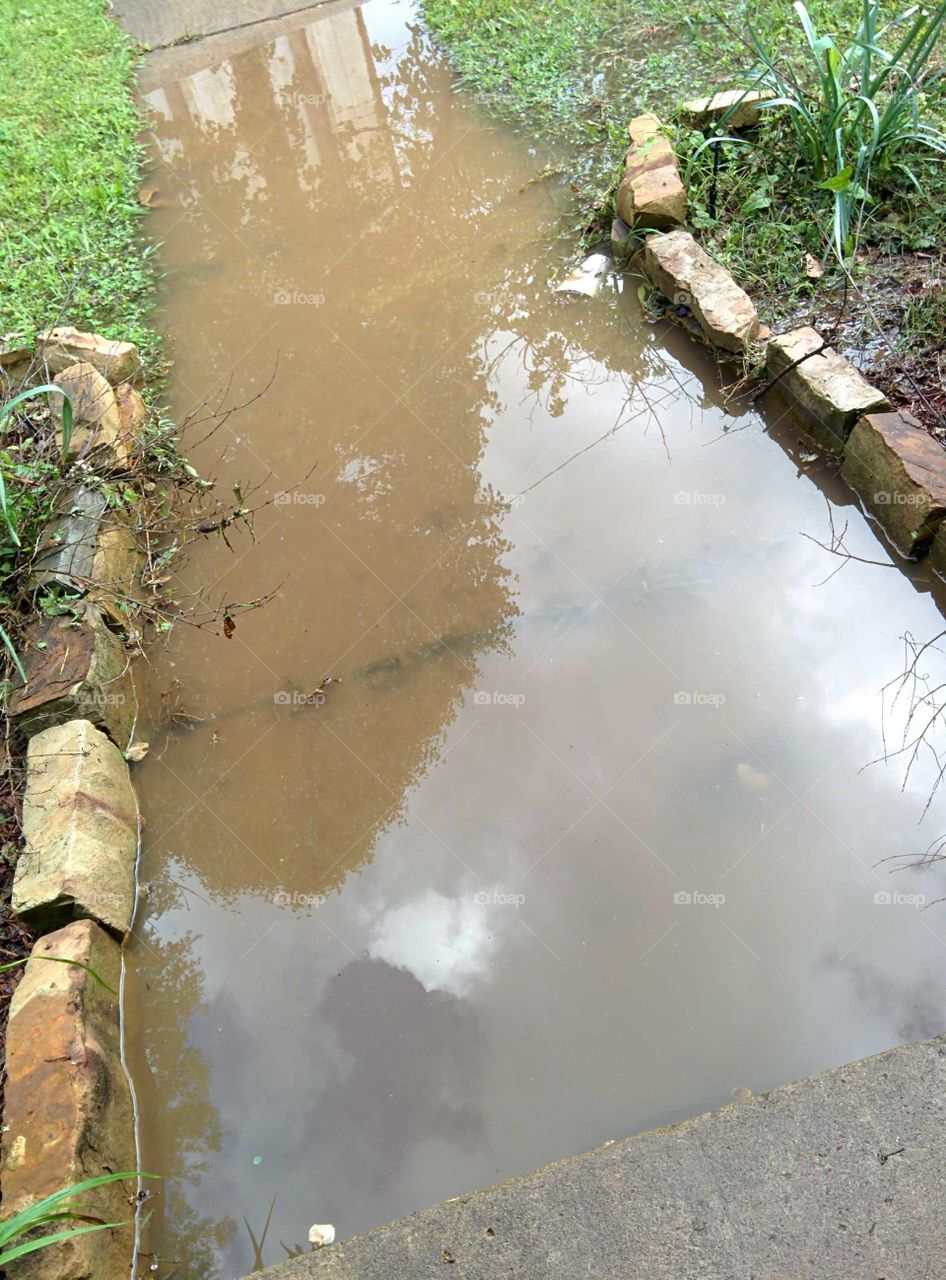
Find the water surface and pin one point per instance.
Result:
(578, 838)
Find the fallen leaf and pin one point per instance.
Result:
(148, 197)
(813, 268)
(137, 751)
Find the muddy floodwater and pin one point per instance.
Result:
(531, 811)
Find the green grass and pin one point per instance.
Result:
(531, 61)
(586, 66)
(69, 217)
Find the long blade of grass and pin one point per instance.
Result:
(20, 1250)
(14, 656)
(42, 1207)
(7, 514)
(12, 964)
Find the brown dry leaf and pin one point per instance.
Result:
(229, 626)
(150, 198)
(813, 268)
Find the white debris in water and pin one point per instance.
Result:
(321, 1233)
(586, 279)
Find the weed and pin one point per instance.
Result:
(858, 112)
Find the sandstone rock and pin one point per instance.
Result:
(741, 104)
(15, 360)
(62, 347)
(67, 544)
(688, 276)
(13, 353)
(68, 1112)
(825, 391)
(899, 472)
(75, 671)
(646, 133)
(80, 830)
(96, 422)
(117, 561)
(89, 547)
(131, 410)
(651, 193)
(937, 555)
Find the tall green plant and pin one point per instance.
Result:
(858, 111)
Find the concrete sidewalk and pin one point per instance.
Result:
(159, 24)
(838, 1177)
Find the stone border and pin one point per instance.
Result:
(70, 1107)
(896, 468)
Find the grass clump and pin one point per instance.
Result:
(71, 159)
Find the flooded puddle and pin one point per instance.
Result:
(577, 838)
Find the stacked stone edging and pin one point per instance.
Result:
(894, 466)
(69, 1112)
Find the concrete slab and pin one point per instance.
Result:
(833, 1177)
(167, 64)
(160, 23)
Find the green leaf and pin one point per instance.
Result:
(840, 182)
(757, 201)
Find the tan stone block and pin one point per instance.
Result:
(75, 670)
(131, 410)
(651, 193)
(688, 276)
(898, 471)
(741, 104)
(89, 547)
(59, 348)
(825, 392)
(96, 421)
(80, 831)
(67, 1112)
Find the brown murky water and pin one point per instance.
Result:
(581, 841)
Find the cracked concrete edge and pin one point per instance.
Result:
(832, 1176)
(170, 57)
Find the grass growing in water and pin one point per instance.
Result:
(70, 159)
(534, 62)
